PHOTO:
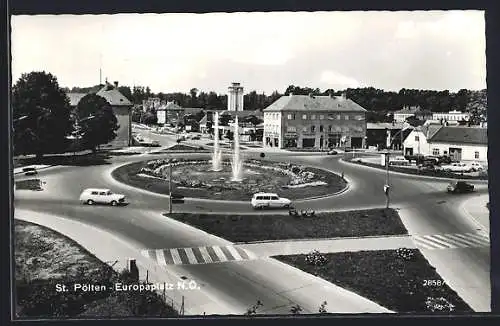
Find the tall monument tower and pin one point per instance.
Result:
(235, 97)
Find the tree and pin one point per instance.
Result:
(41, 114)
(125, 90)
(150, 118)
(101, 129)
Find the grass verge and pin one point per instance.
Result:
(402, 285)
(248, 228)
(439, 174)
(45, 258)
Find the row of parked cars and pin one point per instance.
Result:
(437, 163)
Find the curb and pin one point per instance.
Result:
(480, 226)
(324, 239)
(415, 175)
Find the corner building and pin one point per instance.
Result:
(309, 121)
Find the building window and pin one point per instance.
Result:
(304, 129)
(331, 117)
(338, 116)
(289, 117)
(417, 138)
(313, 117)
(330, 128)
(291, 129)
(313, 128)
(476, 155)
(321, 128)
(304, 117)
(346, 117)
(321, 116)
(435, 151)
(359, 117)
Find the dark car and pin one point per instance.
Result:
(30, 171)
(460, 187)
(197, 137)
(332, 152)
(427, 167)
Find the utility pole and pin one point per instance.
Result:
(386, 187)
(170, 188)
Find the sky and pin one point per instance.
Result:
(435, 50)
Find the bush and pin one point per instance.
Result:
(406, 254)
(316, 258)
(439, 305)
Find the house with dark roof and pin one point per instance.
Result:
(461, 143)
(416, 142)
(309, 121)
(122, 108)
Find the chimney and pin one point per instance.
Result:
(116, 84)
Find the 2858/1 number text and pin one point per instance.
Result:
(433, 283)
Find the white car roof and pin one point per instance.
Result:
(96, 189)
(265, 194)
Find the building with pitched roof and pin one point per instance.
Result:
(412, 111)
(122, 108)
(461, 143)
(309, 121)
(416, 143)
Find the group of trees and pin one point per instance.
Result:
(43, 118)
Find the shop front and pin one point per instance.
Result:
(290, 140)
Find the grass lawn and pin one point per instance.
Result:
(248, 228)
(385, 278)
(29, 184)
(414, 171)
(44, 258)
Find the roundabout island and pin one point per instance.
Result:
(199, 177)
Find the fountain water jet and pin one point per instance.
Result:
(237, 163)
(216, 156)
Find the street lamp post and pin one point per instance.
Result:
(170, 188)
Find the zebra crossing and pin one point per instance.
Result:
(452, 241)
(198, 255)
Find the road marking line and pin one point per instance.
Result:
(190, 255)
(459, 237)
(219, 253)
(234, 253)
(250, 254)
(478, 236)
(227, 253)
(435, 239)
(474, 241)
(205, 254)
(242, 253)
(175, 256)
(197, 254)
(448, 237)
(183, 255)
(427, 244)
(212, 254)
(160, 257)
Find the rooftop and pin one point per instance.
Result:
(314, 103)
(113, 96)
(461, 135)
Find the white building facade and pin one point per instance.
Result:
(461, 143)
(451, 116)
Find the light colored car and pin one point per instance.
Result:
(101, 196)
(399, 160)
(475, 166)
(269, 200)
(456, 167)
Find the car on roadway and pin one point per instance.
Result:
(263, 200)
(460, 187)
(475, 166)
(457, 167)
(332, 152)
(196, 137)
(399, 160)
(93, 196)
(30, 171)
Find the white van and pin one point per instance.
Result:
(269, 200)
(101, 196)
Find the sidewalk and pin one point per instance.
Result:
(476, 209)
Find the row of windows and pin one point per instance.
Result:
(321, 129)
(435, 152)
(292, 116)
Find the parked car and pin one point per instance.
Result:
(398, 160)
(460, 187)
(101, 196)
(197, 137)
(269, 200)
(428, 167)
(475, 166)
(457, 167)
(332, 152)
(348, 149)
(30, 171)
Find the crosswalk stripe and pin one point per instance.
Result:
(478, 236)
(234, 253)
(250, 254)
(459, 239)
(227, 253)
(443, 243)
(175, 255)
(242, 253)
(212, 254)
(473, 241)
(190, 255)
(198, 255)
(183, 255)
(219, 253)
(160, 257)
(449, 239)
(205, 254)
(426, 244)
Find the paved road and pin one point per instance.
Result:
(425, 207)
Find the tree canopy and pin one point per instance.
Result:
(41, 114)
(97, 122)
